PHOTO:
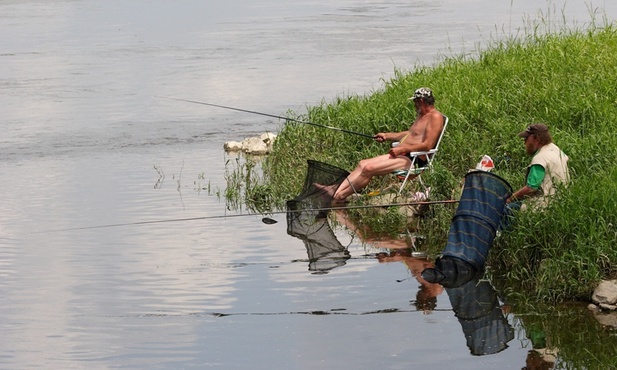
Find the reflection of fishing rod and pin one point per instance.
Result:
(270, 115)
(265, 220)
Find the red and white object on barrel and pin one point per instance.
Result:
(486, 164)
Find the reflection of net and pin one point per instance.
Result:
(306, 219)
(324, 251)
(477, 217)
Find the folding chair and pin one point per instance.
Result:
(413, 171)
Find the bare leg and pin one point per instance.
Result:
(366, 169)
(355, 182)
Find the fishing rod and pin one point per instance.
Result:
(265, 220)
(269, 115)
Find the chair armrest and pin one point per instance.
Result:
(414, 154)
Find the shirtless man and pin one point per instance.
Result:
(421, 136)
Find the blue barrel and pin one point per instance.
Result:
(478, 217)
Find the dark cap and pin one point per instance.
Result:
(534, 129)
(423, 92)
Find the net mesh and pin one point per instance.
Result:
(306, 217)
(321, 182)
(477, 309)
(478, 217)
(324, 250)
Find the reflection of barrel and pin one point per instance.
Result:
(476, 307)
(477, 217)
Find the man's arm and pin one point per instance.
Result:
(534, 179)
(521, 194)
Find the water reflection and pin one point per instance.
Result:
(474, 300)
(398, 250)
(476, 306)
(540, 360)
(426, 297)
(324, 250)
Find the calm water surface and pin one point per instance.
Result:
(86, 141)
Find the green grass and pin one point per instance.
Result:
(572, 332)
(565, 79)
(562, 253)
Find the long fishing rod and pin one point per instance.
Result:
(265, 220)
(270, 115)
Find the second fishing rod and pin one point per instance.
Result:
(265, 220)
(271, 115)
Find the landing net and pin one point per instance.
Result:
(321, 182)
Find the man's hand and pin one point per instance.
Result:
(396, 151)
(380, 137)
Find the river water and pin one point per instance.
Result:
(88, 144)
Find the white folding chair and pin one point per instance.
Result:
(414, 171)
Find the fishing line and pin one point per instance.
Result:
(269, 115)
(265, 220)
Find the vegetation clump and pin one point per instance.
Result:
(564, 79)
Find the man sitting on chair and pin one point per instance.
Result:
(421, 136)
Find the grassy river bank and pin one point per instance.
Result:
(565, 79)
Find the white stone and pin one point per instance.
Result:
(606, 319)
(258, 145)
(605, 293)
(254, 145)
